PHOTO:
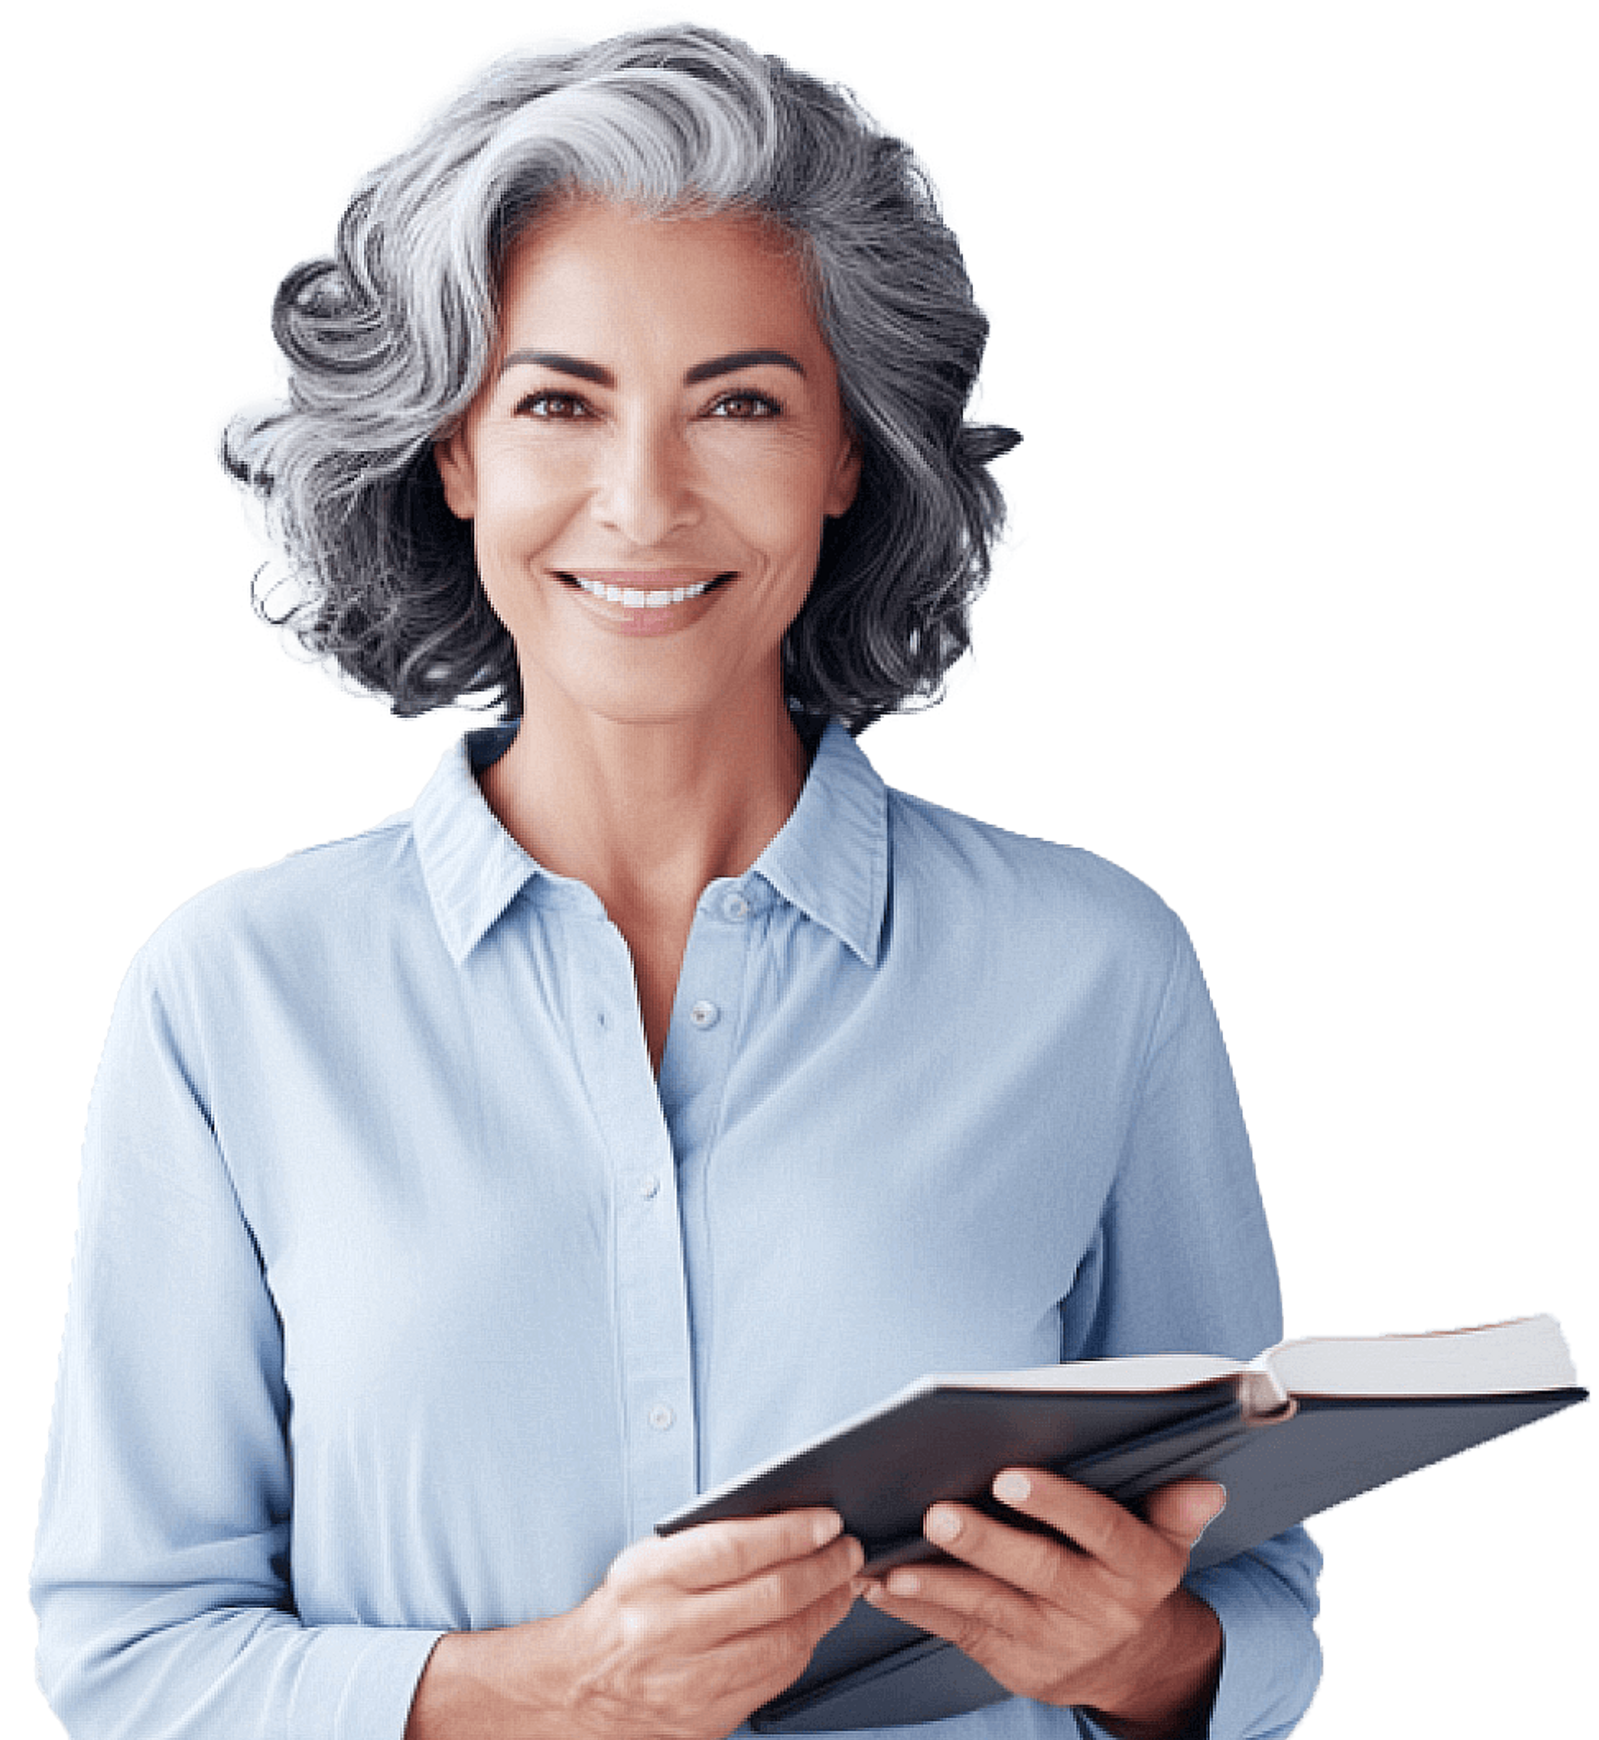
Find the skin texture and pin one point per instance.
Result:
(615, 440)
(680, 1642)
(1106, 1627)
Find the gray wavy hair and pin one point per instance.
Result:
(389, 340)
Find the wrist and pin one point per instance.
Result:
(1171, 1682)
(504, 1684)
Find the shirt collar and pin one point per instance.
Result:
(830, 859)
(472, 867)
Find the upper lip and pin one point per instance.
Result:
(646, 577)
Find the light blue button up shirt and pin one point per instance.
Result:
(405, 1296)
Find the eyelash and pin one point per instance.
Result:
(537, 405)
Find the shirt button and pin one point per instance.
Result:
(661, 1417)
(735, 908)
(704, 1014)
(648, 1185)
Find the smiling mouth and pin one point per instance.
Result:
(642, 598)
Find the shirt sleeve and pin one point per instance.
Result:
(161, 1573)
(1183, 1260)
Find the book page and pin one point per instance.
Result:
(1498, 1359)
(1126, 1374)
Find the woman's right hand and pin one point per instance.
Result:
(685, 1637)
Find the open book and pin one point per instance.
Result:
(1305, 1426)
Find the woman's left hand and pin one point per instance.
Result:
(1106, 1627)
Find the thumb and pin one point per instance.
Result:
(1182, 1512)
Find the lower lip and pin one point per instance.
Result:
(642, 619)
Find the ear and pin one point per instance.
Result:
(454, 460)
(846, 479)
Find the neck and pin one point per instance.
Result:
(647, 814)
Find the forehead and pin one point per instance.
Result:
(591, 261)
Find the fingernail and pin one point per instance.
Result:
(942, 1525)
(873, 1591)
(1012, 1487)
(904, 1583)
(857, 1555)
(1219, 1503)
(827, 1528)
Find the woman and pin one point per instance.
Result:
(461, 1198)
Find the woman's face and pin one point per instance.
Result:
(649, 464)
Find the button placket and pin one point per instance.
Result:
(734, 908)
(699, 1057)
(649, 1263)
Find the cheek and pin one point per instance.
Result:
(780, 503)
(520, 511)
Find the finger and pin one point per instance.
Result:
(1107, 1531)
(958, 1589)
(725, 1678)
(715, 1555)
(1183, 1511)
(982, 1617)
(771, 1658)
(771, 1597)
(1038, 1564)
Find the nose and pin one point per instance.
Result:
(644, 488)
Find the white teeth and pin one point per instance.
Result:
(637, 599)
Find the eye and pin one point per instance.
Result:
(746, 405)
(552, 406)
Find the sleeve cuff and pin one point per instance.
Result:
(1271, 1660)
(357, 1682)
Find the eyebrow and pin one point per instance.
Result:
(602, 376)
(740, 359)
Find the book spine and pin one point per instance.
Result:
(1263, 1398)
